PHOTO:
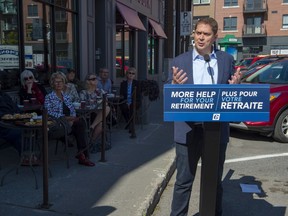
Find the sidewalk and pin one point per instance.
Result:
(127, 184)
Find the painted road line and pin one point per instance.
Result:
(256, 157)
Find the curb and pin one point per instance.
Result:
(161, 183)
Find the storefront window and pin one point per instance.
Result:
(122, 53)
(153, 43)
(48, 40)
(9, 57)
(151, 56)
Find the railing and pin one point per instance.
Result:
(255, 5)
(254, 30)
(9, 27)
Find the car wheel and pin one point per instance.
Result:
(281, 128)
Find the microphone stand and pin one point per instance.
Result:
(207, 59)
(210, 160)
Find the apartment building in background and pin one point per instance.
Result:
(248, 27)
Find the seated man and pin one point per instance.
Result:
(104, 83)
(7, 106)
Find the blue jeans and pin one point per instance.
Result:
(187, 157)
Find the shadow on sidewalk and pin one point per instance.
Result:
(101, 190)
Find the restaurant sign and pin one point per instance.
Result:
(9, 56)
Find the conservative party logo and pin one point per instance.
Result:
(216, 117)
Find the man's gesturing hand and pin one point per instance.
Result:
(236, 77)
(179, 76)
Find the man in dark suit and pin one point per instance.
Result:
(191, 68)
(127, 90)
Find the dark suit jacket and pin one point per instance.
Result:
(225, 70)
(124, 91)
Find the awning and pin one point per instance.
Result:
(229, 39)
(130, 16)
(158, 29)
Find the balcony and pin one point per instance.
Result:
(254, 31)
(8, 7)
(9, 27)
(255, 6)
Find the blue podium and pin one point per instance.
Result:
(211, 105)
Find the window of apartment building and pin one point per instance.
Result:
(229, 3)
(201, 1)
(285, 21)
(230, 23)
(32, 10)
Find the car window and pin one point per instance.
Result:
(274, 74)
(259, 62)
(246, 62)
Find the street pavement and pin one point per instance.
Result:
(128, 183)
(250, 159)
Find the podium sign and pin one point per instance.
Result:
(210, 103)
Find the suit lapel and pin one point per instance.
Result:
(188, 63)
(220, 63)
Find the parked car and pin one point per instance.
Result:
(267, 60)
(247, 73)
(259, 64)
(119, 63)
(246, 62)
(275, 74)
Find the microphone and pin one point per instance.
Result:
(210, 72)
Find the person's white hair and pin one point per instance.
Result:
(24, 74)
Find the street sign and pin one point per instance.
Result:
(185, 23)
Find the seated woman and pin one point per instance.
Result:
(59, 105)
(126, 92)
(70, 90)
(92, 93)
(30, 88)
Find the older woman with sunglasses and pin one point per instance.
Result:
(59, 105)
(92, 93)
(30, 88)
(127, 89)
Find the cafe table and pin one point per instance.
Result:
(31, 108)
(31, 128)
(85, 112)
(114, 101)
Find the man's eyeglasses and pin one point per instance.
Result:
(28, 78)
(131, 73)
(92, 79)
